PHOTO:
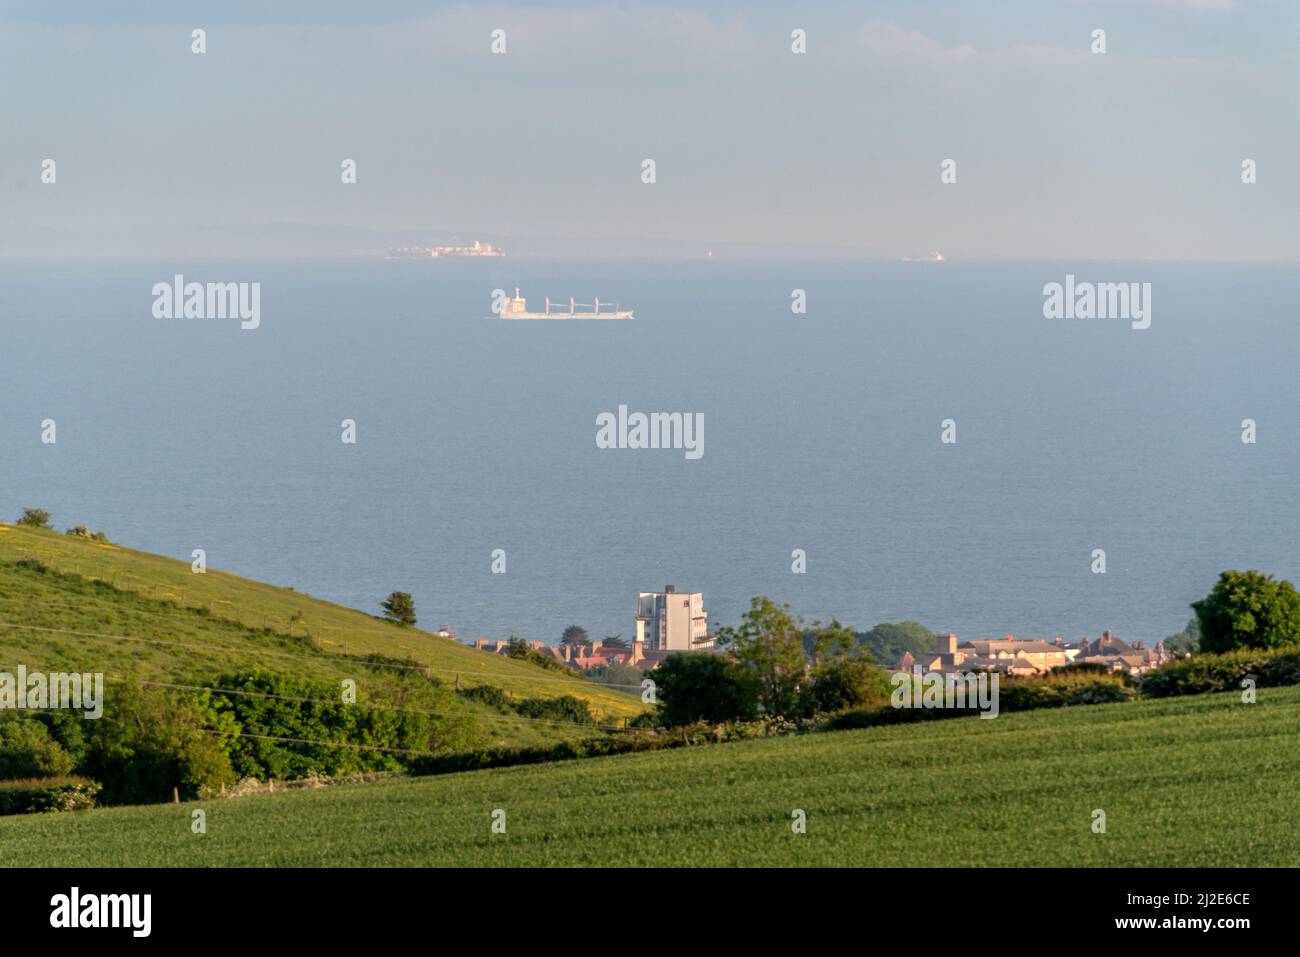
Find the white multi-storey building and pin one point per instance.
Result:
(670, 620)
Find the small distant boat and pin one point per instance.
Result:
(934, 257)
(517, 308)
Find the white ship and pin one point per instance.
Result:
(934, 257)
(476, 251)
(517, 308)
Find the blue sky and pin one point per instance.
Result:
(1060, 153)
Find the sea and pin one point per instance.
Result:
(823, 436)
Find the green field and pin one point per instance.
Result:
(141, 617)
(1197, 781)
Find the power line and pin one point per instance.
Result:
(328, 744)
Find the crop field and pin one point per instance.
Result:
(1199, 781)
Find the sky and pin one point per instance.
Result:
(1059, 152)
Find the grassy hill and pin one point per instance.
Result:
(91, 606)
(1196, 781)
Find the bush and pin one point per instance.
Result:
(149, 742)
(47, 794)
(1014, 694)
(625, 677)
(490, 695)
(845, 683)
(285, 706)
(564, 708)
(35, 518)
(27, 750)
(1207, 673)
(81, 531)
(563, 751)
(699, 686)
(518, 648)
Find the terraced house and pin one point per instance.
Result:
(1029, 656)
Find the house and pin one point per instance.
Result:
(1030, 656)
(1119, 655)
(666, 621)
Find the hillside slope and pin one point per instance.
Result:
(1195, 781)
(130, 613)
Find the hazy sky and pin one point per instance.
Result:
(1060, 153)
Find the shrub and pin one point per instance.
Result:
(564, 708)
(81, 531)
(35, 518)
(490, 695)
(625, 677)
(149, 742)
(1014, 694)
(518, 648)
(27, 750)
(845, 683)
(274, 706)
(47, 794)
(1206, 673)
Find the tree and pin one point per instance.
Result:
(850, 681)
(890, 641)
(575, 636)
(844, 674)
(831, 641)
(1248, 610)
(28, 750)
(769, 642)
(399, 607)
(1187, 640)
(35, 518)
(695, 686)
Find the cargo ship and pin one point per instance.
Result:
(517, 308)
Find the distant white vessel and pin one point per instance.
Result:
(934, 257)
(517, 308)
(476, 251)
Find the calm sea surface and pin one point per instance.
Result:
(821, 433)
